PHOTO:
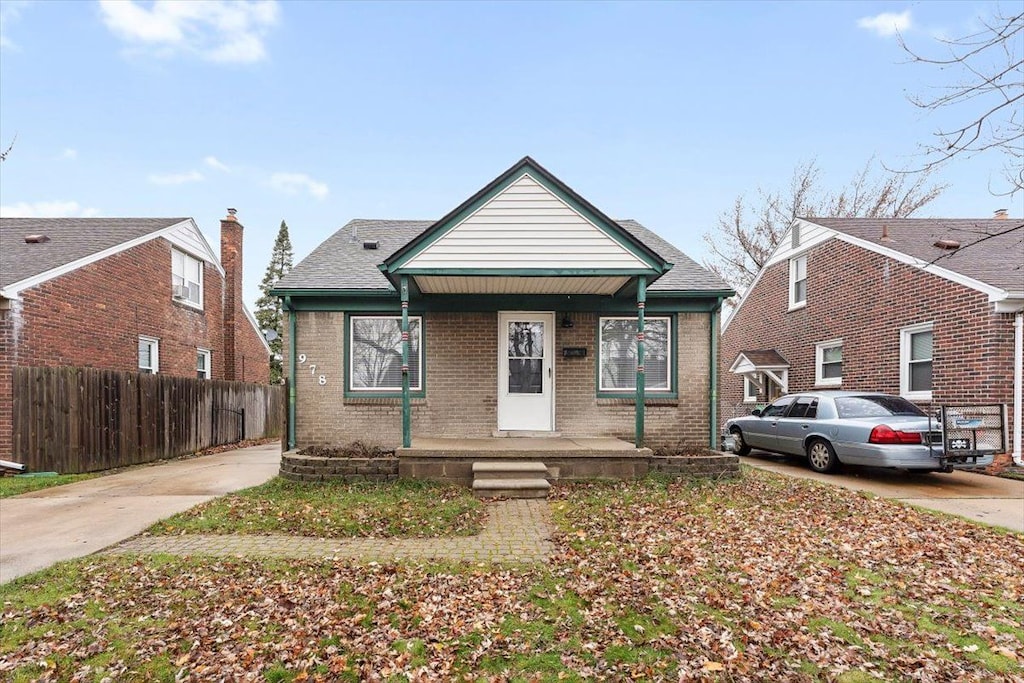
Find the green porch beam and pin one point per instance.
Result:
(641, 302)
(291, 371)
(406, 406)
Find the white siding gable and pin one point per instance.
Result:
(187, 237)
(525, 226)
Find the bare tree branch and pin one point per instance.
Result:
(746, 236)
(989, 96)
(6, 152)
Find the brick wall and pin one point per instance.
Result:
(461, 386)
(865, 299)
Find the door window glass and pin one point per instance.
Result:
(526, 357)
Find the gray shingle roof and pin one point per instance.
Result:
(764, 357)
(341, 262)
(996, 261)
(70, 240)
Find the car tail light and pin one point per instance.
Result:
(886, 434)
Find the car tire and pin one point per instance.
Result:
(740, 446)
(821, 456)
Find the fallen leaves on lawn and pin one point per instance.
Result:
(761, 579)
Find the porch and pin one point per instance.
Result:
(563, 458)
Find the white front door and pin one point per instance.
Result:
(526, 396)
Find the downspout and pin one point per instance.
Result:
(1018, 381)
(713, 379)
(291, 372)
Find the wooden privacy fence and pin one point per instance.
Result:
(72, 420)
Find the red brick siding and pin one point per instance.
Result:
(865, 298)
(461, 386)
(94, 315)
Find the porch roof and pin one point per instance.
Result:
(343, 265)
(525, 232)
(758, 361)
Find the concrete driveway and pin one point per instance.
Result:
(60, 523)
(992, 500)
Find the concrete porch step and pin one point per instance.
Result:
(532, 487)
(516, 469)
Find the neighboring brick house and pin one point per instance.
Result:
(138, 294)
(523, 306)
(930, 309)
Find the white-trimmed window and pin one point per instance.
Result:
(149, 355)
(375, 362)
(749, 390)
(186, 278)
(617, 357)
(828, 363)
(798, 281)
(203, 368)
(916, 362)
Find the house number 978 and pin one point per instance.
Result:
(320, 379)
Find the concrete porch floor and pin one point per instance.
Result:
(505, 444)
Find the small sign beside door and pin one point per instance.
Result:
(574, 352)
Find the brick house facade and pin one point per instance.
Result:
(871, 288)
(82, 292)
(523, 259)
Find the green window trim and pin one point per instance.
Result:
(673, 361)
(395, 393)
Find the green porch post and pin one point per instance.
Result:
(713, 379)
(406, 408)
(641, 299)
(291, 372)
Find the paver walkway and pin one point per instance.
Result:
(516, 531)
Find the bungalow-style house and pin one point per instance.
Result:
(525, 311)
(136, 294)
(930, 309)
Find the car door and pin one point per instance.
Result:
(795, 425)
(760, 433)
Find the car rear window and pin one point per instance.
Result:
(875, 406)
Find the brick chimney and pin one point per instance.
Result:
(1001, 214)
(231, 259)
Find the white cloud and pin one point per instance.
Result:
(214, 30)
(294, 183)
(175, 178)
(55, 209)
(10, 10)
(69, 154)
(214, 162)
(887, 23)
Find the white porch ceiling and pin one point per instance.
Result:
(478, 284)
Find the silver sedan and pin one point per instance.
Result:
(849, 427)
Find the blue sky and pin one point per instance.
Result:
(319, 112)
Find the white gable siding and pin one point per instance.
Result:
(187, 237)
(525, 226)
(811, 235)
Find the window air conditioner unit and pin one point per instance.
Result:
(180, 291)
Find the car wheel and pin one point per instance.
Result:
(739, 446)
(821, 456)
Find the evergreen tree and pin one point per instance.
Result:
(269, 312)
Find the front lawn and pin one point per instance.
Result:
(17, 485)
(405, 508)
(758, 579)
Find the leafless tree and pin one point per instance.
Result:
(747, 234)
(986, 99)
